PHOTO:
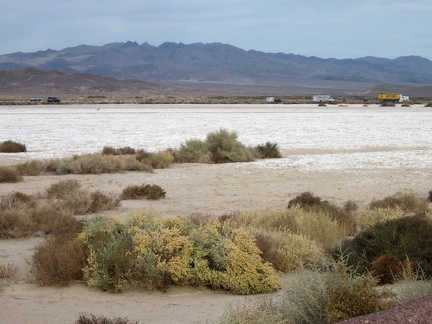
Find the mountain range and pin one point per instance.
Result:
(219, 68)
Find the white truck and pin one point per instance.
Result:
(322, 98)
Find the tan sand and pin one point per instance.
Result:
(191, 188)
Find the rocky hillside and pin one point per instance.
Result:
(220, 63)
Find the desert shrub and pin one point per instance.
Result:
(350, 295)
(332, 295)
(18, 200)
(154, 252)
(317, 226)
(304, 298)
(63, 189)
(98, 163)
(108, 150)
(8, 271)
(161, 160)
(15, 223)
(288, 251)
(262, 312)
(268, 150)
(408, 237)
(59, 260)
(101, 202)
(194, 151)
(370, 217)
(430, 196)
(9, 174)
(12, 147)
(412, 283)
(406, 202)
(312, 203)
(31, 168)
(386, 269)
(225, 147)
(147, 191)
(93, 319)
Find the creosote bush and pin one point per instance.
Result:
(12, 147)
(219, 147)
(407, 237)
(153, 252)
(108, 150)
(146, 191)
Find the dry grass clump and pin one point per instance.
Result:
(262, 312)
(153, 252)
(146, 191)
(406, 202)
(93, 319)
(9, 175)
(32, 168)
(8, 271)
(292, 238)
(109, 150)
(23, 215)
(97, 163)
(12, 147)
(371, 217)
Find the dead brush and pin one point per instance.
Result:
(8, 271)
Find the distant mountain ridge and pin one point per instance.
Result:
(216, 64)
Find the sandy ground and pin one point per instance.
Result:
(191, 188)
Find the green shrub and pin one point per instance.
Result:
(194, 151)
(408, 237)
(268, 150)
(10, 175)
(12, 147)
(225, 147)
(406, 202)
(93, 319)
(150, 251)
(146, 191)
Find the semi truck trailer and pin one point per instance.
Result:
(392, 97)
(322, 98)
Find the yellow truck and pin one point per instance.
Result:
(392, 97)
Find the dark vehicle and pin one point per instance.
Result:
(35, 99)
(53, 99)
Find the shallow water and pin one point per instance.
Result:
(316, 138)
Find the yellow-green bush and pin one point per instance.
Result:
(370, 217)
(288, 251)
(155, 252)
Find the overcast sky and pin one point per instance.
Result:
(322, 28)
